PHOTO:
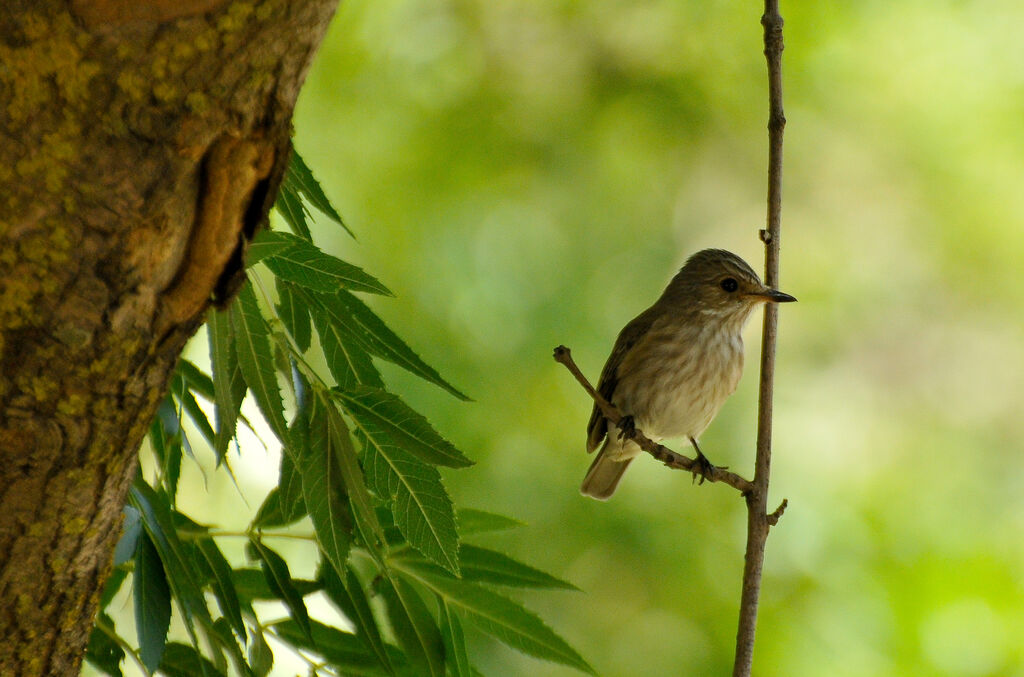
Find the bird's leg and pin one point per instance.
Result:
(627, 428)
(702, 466)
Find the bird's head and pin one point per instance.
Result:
(717, 283)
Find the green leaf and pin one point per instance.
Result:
(299, 178)
(252, 343)
(343, 650)
(276, 513)
(228, 382)
(414, 626)
(340, 444)
(498, 616)
(182, 575)
(353, 318)
(352, 601)
(165, 437)
(261, 658)
(289, 205)
(306, 265)
(198, 416)
(488, 566)
(251, 585)
(152, 603)
(222, 637)
(113, 585)
(420, 505)
(294, 313)
(103, 651)
(267, 243)
(222, 585)
(285, 504)
(323, 489)
(196, 378)
(472, 521)
(454, 641)
(279, 579)
(389, 421)
(349, 364)
(181, 660)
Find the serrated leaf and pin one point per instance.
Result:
(279, 579)
(473, 521)
(421, 507)
(342, 650)
(228, 383)
(414, 626)
(222, 585)
(182, 660)
(488, 566)
(323, 490)
(340, 445)
(267, 243)
(289, 205)
(306, 265)
(389, 421)
(252, 344)
(456, 655)
(351, 600)
(498, 616)
(294, 313)
(301, 179)
(103, 651)
(152, 603)
(182, 575)
(348, 363)
(354, 319)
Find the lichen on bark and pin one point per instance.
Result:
(110, 110)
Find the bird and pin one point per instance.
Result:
(674, 365)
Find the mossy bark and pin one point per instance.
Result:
(141, 143)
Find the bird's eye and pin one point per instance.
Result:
(729, 284)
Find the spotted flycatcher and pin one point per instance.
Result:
(676, 363)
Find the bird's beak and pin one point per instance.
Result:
(773, 296)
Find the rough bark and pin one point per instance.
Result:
(141, 143)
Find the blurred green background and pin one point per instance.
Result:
(526, 173)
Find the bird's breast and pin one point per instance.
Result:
(675, 380)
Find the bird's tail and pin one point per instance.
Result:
(604, 475)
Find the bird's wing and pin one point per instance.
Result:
(628, 337)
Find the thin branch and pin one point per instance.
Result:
(758, 519)
(662, 453)
(773, 518)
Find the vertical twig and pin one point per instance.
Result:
(758, 519)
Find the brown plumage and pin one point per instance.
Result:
(677, 362)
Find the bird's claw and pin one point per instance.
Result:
(702, 467)
(627, 428)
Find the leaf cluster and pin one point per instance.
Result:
(357, 464)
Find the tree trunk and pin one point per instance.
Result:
(141, 144)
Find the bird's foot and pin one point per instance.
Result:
(703, 468)
(627, 428)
